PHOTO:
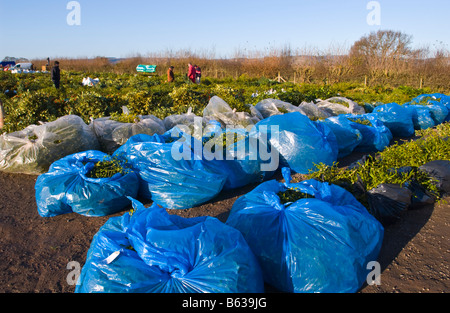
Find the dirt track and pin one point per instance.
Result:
(35, 251)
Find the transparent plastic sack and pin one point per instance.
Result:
(112, 134)
(270, 107)
(218, 110)
(340, 105)
(33, 149)
(313, 111)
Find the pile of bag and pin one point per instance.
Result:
(269, 107)
(434, 99)
(150, 251)
(233, 153)
(33, 149)
(388, 202)
(321, 242)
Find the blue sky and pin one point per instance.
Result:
(113, 28)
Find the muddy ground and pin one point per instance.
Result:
(35, 251)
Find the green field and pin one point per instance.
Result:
(32, 98)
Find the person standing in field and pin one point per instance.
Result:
(191, 73)
(56, 75)
(170, 74)
(198, 74)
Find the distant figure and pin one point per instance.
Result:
(56, 74)
(48, 62)
(170, 75)
(191, 73)
(198, 74)
(2, 114)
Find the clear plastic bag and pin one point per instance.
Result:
(340, 105)
(33, 149)
(270, 107)
(112, 134)
(218, 110)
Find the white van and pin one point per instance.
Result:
(22, 66)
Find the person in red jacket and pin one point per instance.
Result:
(191, 73)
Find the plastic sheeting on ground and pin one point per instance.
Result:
(151, 251)
(87, 81)
(67, 187)
(320, 244)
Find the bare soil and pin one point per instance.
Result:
(35, 251)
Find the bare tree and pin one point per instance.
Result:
(382, 52)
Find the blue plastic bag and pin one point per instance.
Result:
(329, 136)
(171, 172)
(235, 157)
(422, 117)
(150, 251)
(347, 137)
(434, 99)
(439, 113)
(65, 188)
(375, 137)
(436, 112)
(320, 244)
(299, 143)
(398, 119)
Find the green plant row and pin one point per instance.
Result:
(385, 167)
(31, 98)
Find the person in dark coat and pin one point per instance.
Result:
(56, 76)
(170, 75)
(198, 74)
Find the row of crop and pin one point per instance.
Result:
(31, 98)
(35, 147)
